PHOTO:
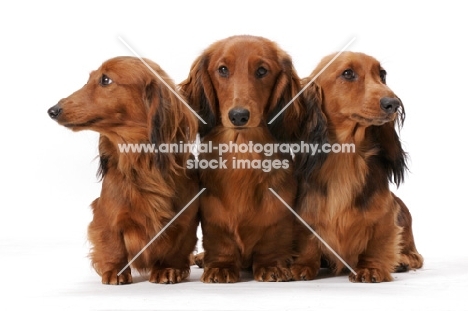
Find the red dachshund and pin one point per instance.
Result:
(347, 200)
(127, 104)
(238, 85)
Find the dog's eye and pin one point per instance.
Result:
(105, 80)
(261, 72)
(348, 74)
(383, 76)
(223, 71)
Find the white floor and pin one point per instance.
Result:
(57, 276)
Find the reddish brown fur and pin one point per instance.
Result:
(244, 224)
(347, 201)
(140, 192)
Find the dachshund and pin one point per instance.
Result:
(241, 87)
(141, 191)
(347, 200)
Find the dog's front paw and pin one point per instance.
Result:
(272, 274)
(364, 275)
(168, 275)
(111, 277)
(220, 275)
(303, 272)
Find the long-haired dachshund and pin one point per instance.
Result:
(238, 85)
(347, 200)
(141, 192)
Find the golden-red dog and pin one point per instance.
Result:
(347, 200)
(238, 85)
(141, 192)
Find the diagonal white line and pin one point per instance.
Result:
(313, 231)
(313, 79)
(161, 79)
(160, 232)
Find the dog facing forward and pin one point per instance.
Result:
(238, 85)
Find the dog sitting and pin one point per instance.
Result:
(238, 86)
(347, 200)
(141, 192)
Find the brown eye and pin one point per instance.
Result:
(349, 74)
(105, 80)
(223, 71)
(261, 72)
(383, 76)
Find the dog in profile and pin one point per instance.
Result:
(347, 200)
(141, 192)
(238, 85)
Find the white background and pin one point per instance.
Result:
(48, 172)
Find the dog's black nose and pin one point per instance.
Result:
(239, 116)
(54, 111)
(389, 104)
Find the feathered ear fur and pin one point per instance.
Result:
(107, 156)
(199, 91)
(170, 122)
(313, 130)
(285, 126)
(391, 154)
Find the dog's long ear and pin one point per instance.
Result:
(200, 93)
(313, 130)
(391, 154)
(107, 156)
(283, 116)
(169, 122)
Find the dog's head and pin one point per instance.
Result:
(127, 101)
(243, 82)
(352, 92)
(111, 101)
(354, 87)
